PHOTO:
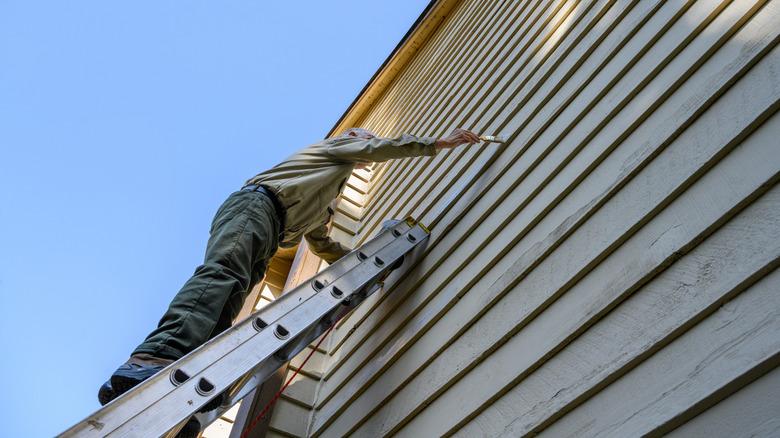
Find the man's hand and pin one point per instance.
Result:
(457, 138)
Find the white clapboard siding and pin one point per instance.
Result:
(608, 271)
(691, 287)
(512, 155)
(367, 308)
(656, 176)
(574, 257)
(687, 371)
(458, 266)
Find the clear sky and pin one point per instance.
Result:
(123, 126)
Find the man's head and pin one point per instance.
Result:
(359, 133)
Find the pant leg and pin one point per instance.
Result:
(236, 301)
(244, 236)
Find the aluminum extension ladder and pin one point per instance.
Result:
(244, 356)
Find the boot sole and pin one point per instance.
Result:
(105, 395)
(122, 384)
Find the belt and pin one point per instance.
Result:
(280, 212)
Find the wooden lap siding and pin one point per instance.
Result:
(611, 269)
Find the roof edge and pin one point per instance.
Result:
(422, 29)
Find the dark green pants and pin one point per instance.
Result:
(244, 236)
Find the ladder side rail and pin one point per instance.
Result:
(102, 421)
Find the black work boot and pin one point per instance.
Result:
(137, 369)
(106, 393)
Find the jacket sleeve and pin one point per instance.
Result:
(381, 149)
(323, 246)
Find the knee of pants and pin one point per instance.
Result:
(216, 272)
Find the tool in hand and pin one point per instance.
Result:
(493, 138)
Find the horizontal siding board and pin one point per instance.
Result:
(349, 210)
(314, 367)
(289, 419)
(414, 70)
(363, 175)
(352, 195)
(301, 390)
(357, 185)
(341, 236)
(483, 25)
(691, 288)
(479, 240)
(492, 23)
(547, 279)
(609, 87)
(344, 223)
(752, 411)
(688, 371)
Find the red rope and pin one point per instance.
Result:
(279, 393)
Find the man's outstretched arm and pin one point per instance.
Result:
(382, 149)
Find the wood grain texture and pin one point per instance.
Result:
(752, 411)
(687, 371)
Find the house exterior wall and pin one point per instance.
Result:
(609, 271)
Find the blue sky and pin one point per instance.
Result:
(123, 126)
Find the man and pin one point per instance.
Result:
(275, 208)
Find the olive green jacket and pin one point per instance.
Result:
(310, 179)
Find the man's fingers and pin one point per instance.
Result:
(470, 136)
(463, 136)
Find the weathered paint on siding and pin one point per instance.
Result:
(611, 270)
